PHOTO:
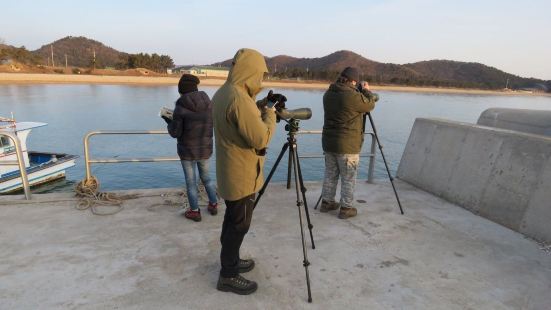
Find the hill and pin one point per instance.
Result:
(80, 53)
(445, 73)
(470, 74)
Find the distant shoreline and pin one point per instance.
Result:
(33, 78)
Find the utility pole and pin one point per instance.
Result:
(507, 84)
(94, 61)
(65, 61)
(52, 49)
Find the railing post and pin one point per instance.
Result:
(372, 159)
(21, 163)
(87, 155)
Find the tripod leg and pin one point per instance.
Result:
(261, 192)
(294, 149)
(305, 262)
(384, 160)
(289, 168)
(317, 203)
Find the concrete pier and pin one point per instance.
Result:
(436, 256)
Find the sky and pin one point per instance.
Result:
(512, 36)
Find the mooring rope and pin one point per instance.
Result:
(91, 198)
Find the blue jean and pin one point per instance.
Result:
(191, 181)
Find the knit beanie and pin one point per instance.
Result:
(351, 73)
(187, 84)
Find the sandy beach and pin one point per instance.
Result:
(32, 78)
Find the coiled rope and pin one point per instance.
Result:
(91, 198)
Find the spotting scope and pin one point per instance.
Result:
(302, 113)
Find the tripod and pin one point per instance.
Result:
(384, 160)
(292, 127)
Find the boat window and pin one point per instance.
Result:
(4, 141)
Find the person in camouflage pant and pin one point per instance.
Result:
(344, 108)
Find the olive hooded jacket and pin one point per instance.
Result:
(240, 128)
(344, 111)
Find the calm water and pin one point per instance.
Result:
(73, 110)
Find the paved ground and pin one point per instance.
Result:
(437, 256)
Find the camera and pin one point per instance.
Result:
(278, 101)
(359, 86)
(362, 90)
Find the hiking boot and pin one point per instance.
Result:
(345, 212)
(327, 206)
(238, 285)
(194, 215)
(213, 208)
(245, 265)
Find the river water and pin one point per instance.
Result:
(73, 110)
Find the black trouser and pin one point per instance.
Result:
(237, 220)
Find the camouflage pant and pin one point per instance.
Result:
(345, 165)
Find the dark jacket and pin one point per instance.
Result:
(344, 109)
(192, 126)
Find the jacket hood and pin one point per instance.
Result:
(194, 101)
(248, 68)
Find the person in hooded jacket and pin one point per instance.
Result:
(243, 128)
(192, 126)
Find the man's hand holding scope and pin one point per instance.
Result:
(276, 101)
(272, 101)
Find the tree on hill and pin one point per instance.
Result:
(18, 54)
(154, 62)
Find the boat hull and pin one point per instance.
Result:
(40, 171)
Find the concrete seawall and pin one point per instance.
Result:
(500, 174)
(528, 121)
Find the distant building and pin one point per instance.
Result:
(203, 71)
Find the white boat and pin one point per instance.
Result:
(41, 167)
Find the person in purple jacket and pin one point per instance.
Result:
(192, 126)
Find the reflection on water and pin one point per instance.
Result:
(74, 110)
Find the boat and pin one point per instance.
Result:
(41, 167)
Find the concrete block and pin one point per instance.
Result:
(447, 143)
(523, 120)
(500, 174)
(537, 220)
(468, 181)
(513, 179)
(418, 145)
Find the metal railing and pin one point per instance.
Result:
(88, 161)
(371, 155)
(20, 161)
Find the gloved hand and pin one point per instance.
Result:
(167, 120)
(279, 99)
